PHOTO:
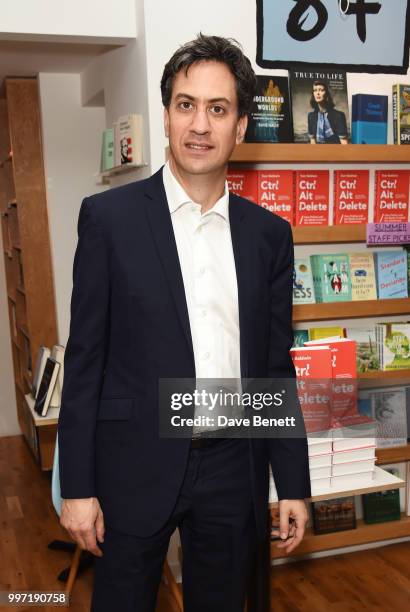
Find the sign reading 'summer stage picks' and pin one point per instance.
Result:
(360, 35)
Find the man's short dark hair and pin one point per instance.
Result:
(212, 48)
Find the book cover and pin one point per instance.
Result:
(303, 292)
(331, 515)
(401, 114)
(367, 359)
(394, 351)
(276, 193)
(107, 150)
(128, 139)
(351, 197)
(363, 276)
(391, 274)
(314, 379)
(42, 356)
(46, 386)
(369, 119)
(321, 333)
(389, 410)
(331, 277)
(300, 336)
(243, 183)
(382, 506)
(312, 197)
(270, 119)
(391, 200)
(320, 107)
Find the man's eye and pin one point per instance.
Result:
(218, 110)
(185, 105)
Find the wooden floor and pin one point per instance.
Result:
(376, 580)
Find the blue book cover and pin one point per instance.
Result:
(369, 119)
(391, 274)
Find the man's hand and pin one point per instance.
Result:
(291, 534)
(84, 521)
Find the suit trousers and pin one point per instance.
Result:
(215, 517)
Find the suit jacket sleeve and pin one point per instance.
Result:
(288, 456)
(84, 358)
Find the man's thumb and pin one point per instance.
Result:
(99, 527)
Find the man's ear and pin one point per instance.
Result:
(241, 129)
(166, 122)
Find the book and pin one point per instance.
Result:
(388, 409)
(276, 193)
(401, 114)
(393, 343)
(391, 199)
(320, 107)
(367, 358)
(352, 467)
(57, 353)
(351, 197)
(365, 453)
(352, 481)
(46, 388)
(243, 183)
(42, 356)
(312, 197)
(107, 150)
(319, 333)
(331, 277)
(391, 274)
(128, 140)
(382, 506)
(331, 515)
(270, 118)
(357, 431)
(369, 119)
(314, 377)
(363, 276)
(303, 292)
(300, 336)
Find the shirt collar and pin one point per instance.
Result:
(177, 196)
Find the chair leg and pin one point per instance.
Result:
(73, 570)
(173, 587)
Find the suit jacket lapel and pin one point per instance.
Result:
(160, 222)
(243, 274)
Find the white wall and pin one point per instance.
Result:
(108, 21)
(71, 148)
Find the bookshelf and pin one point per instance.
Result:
(344, 154)
(351, 310)
(288, 153)
(26, 246)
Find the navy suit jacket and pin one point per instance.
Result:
(129, 327)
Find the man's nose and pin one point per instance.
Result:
(200, 121)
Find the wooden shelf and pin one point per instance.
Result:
(396, 454)
(329, 234)
(51, 417)
(285, 153)
(350, 310)
(11, 203)
(24, 331)
(371, 380)
(363, 534)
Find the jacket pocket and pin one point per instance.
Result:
(115, 409)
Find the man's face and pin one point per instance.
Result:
(319, 93)
(202, 121)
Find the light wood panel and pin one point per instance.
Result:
(258, 153)
(351, 310)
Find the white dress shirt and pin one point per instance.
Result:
(207, 263)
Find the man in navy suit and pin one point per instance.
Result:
(174, 277)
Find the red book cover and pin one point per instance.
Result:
(276, 193)
(312, 197)
(391, 199)
(313, 367)
(243, 183)
(351, 197)
(344, 387)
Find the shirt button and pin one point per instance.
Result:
(203, 312)
(206, 355)
(201, 271)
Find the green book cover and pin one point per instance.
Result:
(107, 150)
(395, 346)
(383, 505)
(331, 277)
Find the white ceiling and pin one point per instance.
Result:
(20, 58)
